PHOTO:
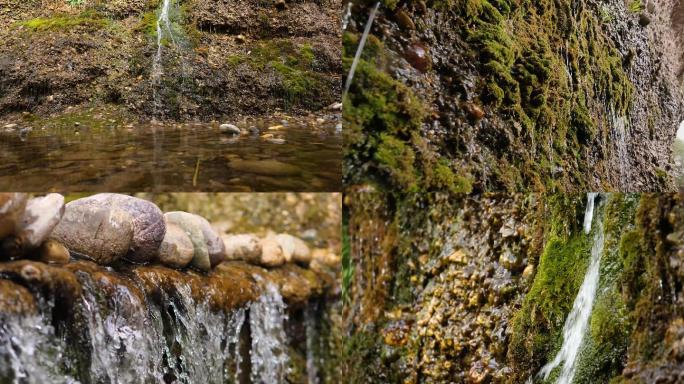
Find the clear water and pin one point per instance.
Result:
(172, 158)
(268, 353)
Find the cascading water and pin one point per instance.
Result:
(168, 336)
(29, 350)
(164, 31)
(577, 321)
(268, 354)
(589, 211)
(311, 337)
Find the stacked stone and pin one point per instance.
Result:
(107, 228)
(25, 225)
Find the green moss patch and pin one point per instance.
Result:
(88, 19)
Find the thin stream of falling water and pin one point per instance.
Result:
(589, 211)
(369, 23)
(577, 321)
(267, 325)
(163, 23)
(311, 337)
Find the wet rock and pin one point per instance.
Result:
(404, 20)
(326, 257)
(101, 234)
(53, 252)
(176, 249)
(12, 206)
(528, 272)
(119, 214)
(417, 55)
(208, 248)
(229, 129)
(245, 247)
(644, 20)
(39, 219)
(265, 167)
(271, 252)
(294, 249)
(16, 299)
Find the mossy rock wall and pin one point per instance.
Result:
(510, 94)
(477, 288)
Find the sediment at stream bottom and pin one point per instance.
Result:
(476, 289)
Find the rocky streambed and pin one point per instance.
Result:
(109, 289)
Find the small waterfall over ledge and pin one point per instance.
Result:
(577, 321)
(128, 332)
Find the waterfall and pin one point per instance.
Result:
(369, 23)
(268, 354)
(577, 321)
(30, 351)
(163, 28)
(589, 211)
(167, 336)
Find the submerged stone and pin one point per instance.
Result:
(265, 167)
(229, 129)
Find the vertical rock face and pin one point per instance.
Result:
(478, 289)
(467, 98)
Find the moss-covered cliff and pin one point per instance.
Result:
(512, 94)
(476, 289)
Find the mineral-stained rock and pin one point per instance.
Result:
(11, 209)
(15, 299)
(53, 282)
(294, 249)
(176, 250)
(245, 247)
(39, 219)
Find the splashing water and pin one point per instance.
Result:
(589, 211)
(28, 351)
(369, 23)
(576, 323)
(268, 354)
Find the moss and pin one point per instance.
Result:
(396, 158)
(88, 19)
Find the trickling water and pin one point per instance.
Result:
(30, 351)
(576, 323)
(589, 211)
(369, 23)
(620, 137)
(346, 16)
(163, 30)
(268, 354)
(311, 337)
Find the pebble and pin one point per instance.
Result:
(271, 252)
(229, 129)
(335, 107)
(10, 126)
(276, 127)
(417, 55)
(245, 247)
(53, 252)
(474, 111)
(294, 249)
(276, 141)
(404, 20)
